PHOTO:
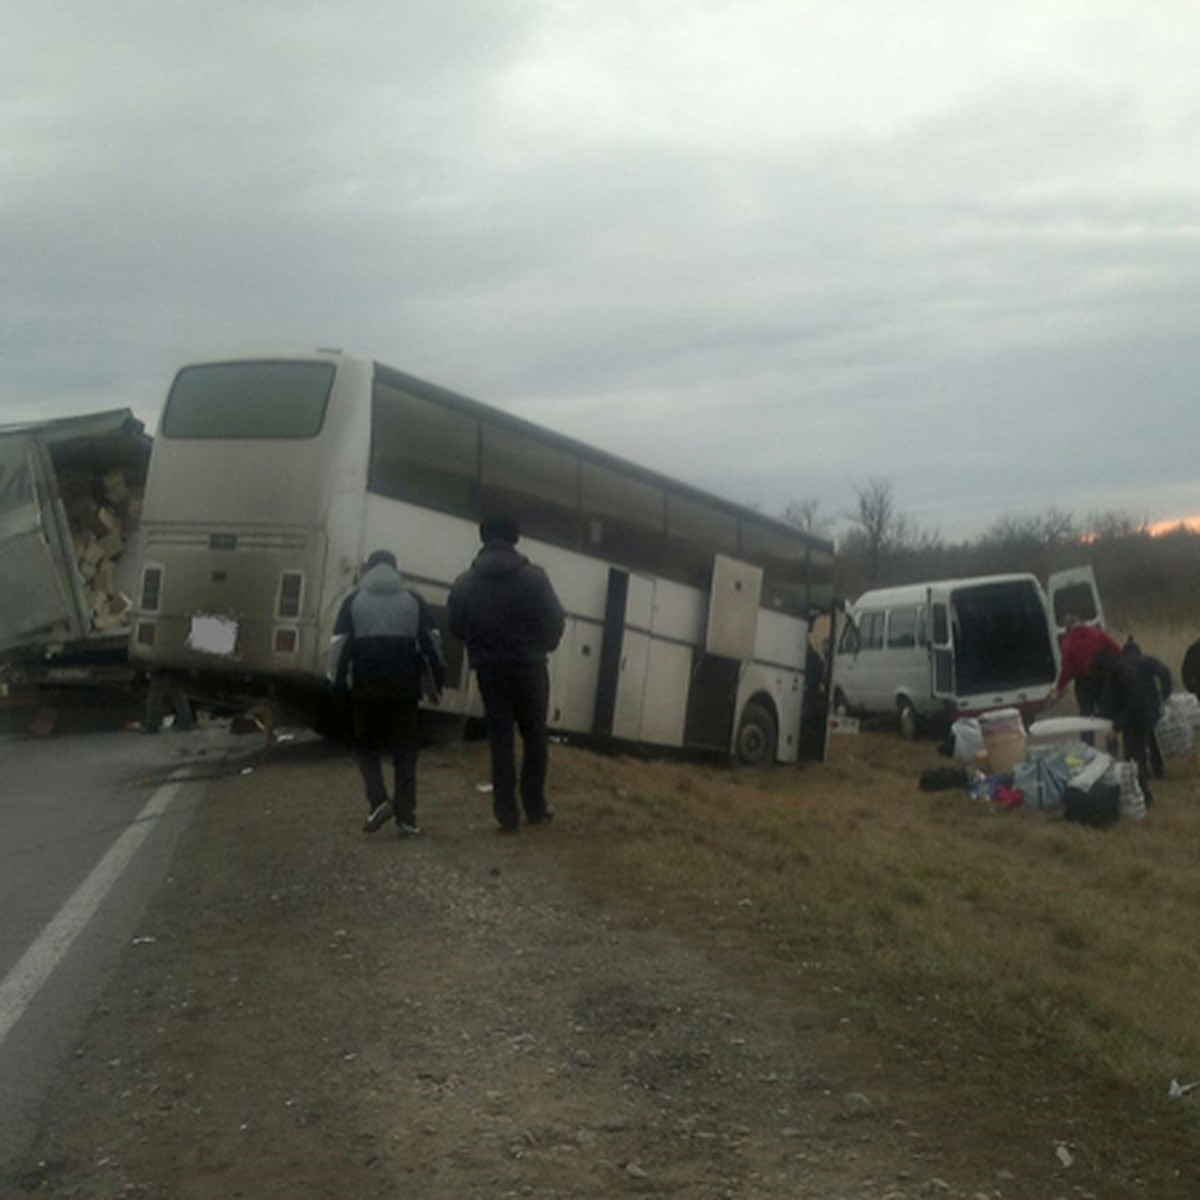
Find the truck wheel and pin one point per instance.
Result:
(908, 719)
(757, 736)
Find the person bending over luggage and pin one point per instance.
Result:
(1133, 700)
(1080, 645)
(1153, 675)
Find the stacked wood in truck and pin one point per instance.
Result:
(103, 509)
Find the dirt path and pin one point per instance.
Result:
(311, 1012)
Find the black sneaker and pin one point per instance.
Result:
(407, 828)
(543, 818)
(378, 817)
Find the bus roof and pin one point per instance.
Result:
(477, 408)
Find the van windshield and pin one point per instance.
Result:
(270, 399)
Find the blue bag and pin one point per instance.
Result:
(1042, 778)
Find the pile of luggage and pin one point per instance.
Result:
(1054, 765)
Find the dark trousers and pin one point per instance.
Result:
(387, 726)
(517, 694)
(1139, 740)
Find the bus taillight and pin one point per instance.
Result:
(286, 640)
(291, 589)
(151, 589)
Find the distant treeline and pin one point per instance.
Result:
(1142, 576)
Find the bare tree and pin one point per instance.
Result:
(875, 520)
(806, 515)
(1114, 526)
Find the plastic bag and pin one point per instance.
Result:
(968, 739)
(1175, 731)
(1042, 778)
(1124, 776)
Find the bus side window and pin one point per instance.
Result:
(423, 452)
(696, 532)
(535, 484)
(624, 518)
(785, 582)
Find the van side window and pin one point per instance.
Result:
(902, 628)
(872, 631)
(848, 641)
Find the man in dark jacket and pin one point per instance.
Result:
(389, 639)
(1190, 670)
(506, 611)
(1137, 686)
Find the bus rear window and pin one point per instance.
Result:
(249, 400)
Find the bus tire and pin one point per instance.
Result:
(909, 722)
(757, 736)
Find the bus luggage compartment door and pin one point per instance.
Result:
(624, 653)
(733, 604)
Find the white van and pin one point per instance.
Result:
(951, 648)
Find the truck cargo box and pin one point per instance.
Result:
(70, 504)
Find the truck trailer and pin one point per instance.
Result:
(70, 503)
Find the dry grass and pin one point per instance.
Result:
(972, 954)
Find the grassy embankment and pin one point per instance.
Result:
(1035, 975)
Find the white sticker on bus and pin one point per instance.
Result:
(213, 635)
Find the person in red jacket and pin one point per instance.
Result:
(1080, 645)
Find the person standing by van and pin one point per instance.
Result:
(1190, 669)
(506, 611)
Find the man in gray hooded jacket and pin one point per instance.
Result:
(506, 611)
(389, 640)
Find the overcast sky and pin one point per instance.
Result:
(778, 248)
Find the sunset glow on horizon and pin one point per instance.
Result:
(1192, 524)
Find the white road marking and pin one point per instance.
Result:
(37, 964)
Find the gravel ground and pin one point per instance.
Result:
(314, 1012)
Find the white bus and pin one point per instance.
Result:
(272, 478)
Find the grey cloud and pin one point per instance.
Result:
(771, 319)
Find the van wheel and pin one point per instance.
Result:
(908, 720)
(840, 707)
(756, 737)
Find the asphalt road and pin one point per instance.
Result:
(88, 824)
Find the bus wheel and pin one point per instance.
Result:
(908, 719)
(757, 736)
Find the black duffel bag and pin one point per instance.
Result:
(1099, 806)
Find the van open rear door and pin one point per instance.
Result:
(33, 598)
(941, 643)
(1074, 593)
